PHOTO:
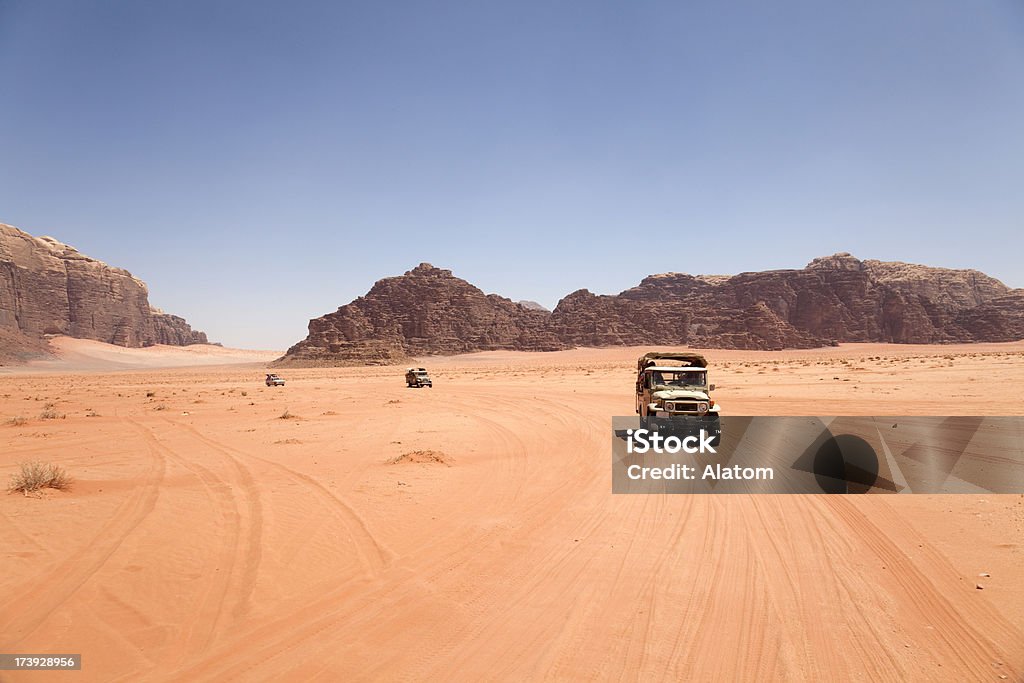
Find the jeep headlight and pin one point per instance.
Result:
(702, 407)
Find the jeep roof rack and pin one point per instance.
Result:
(685, 358)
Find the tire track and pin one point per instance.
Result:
(786, 522)
(954, 624)
(374, 555)
(32, 606)
(209, 618)
(362, 615)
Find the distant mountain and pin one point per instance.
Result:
(47, 287)
(834, 299)
(425, 311)
(532, 306)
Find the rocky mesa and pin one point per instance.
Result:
(47, 287)
(834, 299)
(426, 311)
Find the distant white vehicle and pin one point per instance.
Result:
(418, 377)
(274, 381)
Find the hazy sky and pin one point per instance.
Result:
(261, 164)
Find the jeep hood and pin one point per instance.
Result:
(677, 394)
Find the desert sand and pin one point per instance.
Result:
(78, 355)
(344, 527)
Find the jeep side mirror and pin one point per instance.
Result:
(711, 387)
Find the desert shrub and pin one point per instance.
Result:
(17, 421)
(150, 394)
(159, 406)
(34, 476)
(50, 413)
(286, 415)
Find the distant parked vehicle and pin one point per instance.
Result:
(274, 381)
(418, 377)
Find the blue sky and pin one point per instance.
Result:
(262, 164)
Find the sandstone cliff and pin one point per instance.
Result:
(834, 299)
(425, 311)
(47, 287)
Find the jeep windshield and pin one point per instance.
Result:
(679, 379)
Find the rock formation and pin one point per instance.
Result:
(425, 311)
(173, 330)
(47, 287)
(834, 299)
(532, 305)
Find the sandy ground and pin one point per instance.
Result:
(344, 527)
(81, 355)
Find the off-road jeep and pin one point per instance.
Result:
(670, 383)
(274, 381)
(418, 377)
(672, 388)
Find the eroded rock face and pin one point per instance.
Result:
(47, 287)
(173, 330)
(17, 348)
(834, 299)
(425, 311)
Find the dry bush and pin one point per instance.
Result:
(34, 476)
(50, 413)
(17, 421)
(160, 406)
(286, 415)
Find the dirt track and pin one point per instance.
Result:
(207, 538)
